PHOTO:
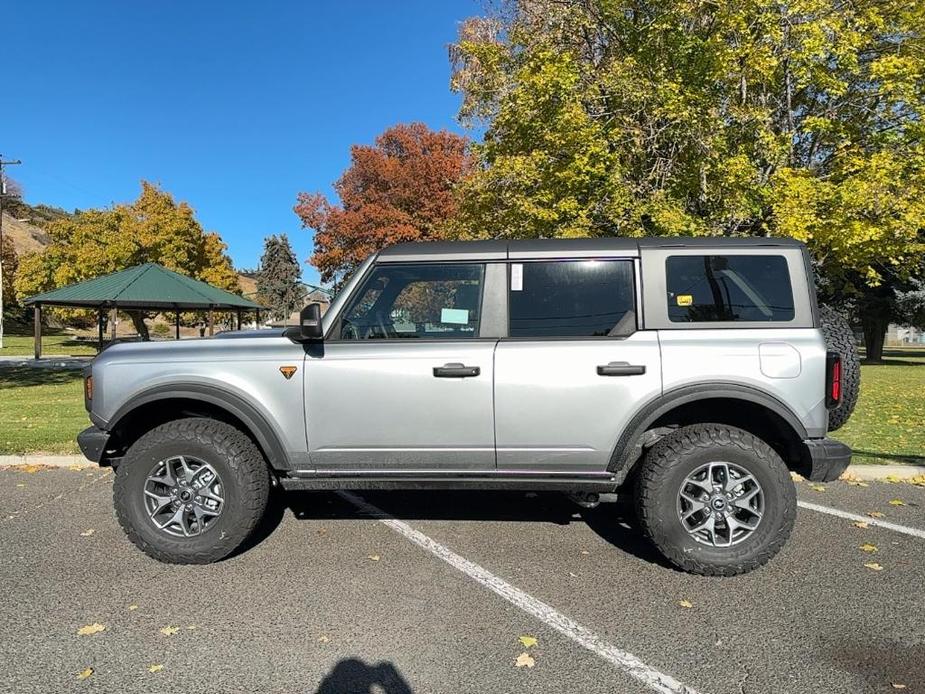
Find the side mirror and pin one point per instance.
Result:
(310, 322)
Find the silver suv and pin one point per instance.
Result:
(691, 373)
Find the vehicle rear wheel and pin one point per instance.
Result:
(715, 500)
(839, 338)
(191, 491)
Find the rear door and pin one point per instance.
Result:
(574, 368)
(405, 382)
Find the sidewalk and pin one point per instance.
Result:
(52, 362)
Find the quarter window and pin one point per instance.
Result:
(727, 288)
(572, 298)
(416, 301)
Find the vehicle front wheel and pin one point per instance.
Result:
(715, 500)
(191, 491)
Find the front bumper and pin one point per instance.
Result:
(825, 459)
(92, 442)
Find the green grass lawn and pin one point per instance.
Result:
(888, 425)
(56, 345)
(42, 410)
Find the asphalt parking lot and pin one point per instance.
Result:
(329, 598)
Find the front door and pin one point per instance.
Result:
(404, 383)
(574, 369)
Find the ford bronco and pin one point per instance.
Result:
(693, 374)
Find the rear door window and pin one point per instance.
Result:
(572, 298)
(728, 288)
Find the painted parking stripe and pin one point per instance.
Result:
(895, 527)
(627, 662)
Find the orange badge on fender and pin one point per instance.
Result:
(287, 371)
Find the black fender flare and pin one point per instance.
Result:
(258, 426)
(629, 445)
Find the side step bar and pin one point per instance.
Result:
(601, 485)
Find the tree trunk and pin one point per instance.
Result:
(138, 320)
(875, 326)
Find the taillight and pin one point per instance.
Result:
(832, 379)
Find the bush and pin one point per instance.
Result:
(160, 330)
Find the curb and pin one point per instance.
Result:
(46, 460)
(885, 472)
(858, 472)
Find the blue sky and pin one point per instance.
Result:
(233, 107)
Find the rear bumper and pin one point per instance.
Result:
(92, 442)
(825, 459)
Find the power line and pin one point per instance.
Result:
(11, 162)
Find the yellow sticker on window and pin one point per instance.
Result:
(685, 299)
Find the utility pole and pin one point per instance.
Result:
(2, 195)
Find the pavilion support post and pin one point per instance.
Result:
(211, 323)
(239, 319)
(99, 341)
(37, 313)
(178, 325)
(113, 316)
(258, 318)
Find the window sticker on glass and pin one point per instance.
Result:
(685, 300)
(517, 277)
(455, 316)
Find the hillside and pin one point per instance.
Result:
(26, 237)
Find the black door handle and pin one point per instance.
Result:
(621, 368)
(456, 370)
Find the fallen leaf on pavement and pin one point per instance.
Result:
(133, 607)
(524, 660)
(861, 524)
(686, 603)
(897, 685)
(76, 468)
(374, 557)
(875, 514)
(796, 477)
(817, 487)
(88, 532)
(20, 485)
(873, 566)
(91, 629)
(323, 639)
(169, 631)
(867, 547)
(584, 551)
(155, 668)
(191, 627)
(573, 575)
(84, 674)
(528, 641)
(897, 502)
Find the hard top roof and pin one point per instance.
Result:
(502, 249)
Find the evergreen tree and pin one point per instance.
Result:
(278, 279)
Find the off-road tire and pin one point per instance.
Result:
(677, 455)
(240, 465)
(839, 338)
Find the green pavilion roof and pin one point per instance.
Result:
(150, 286)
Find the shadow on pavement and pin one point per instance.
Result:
(613, 522)
(356, 677)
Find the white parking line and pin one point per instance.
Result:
(627, 662)
(895, 527)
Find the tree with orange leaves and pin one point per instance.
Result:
(400, 189)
